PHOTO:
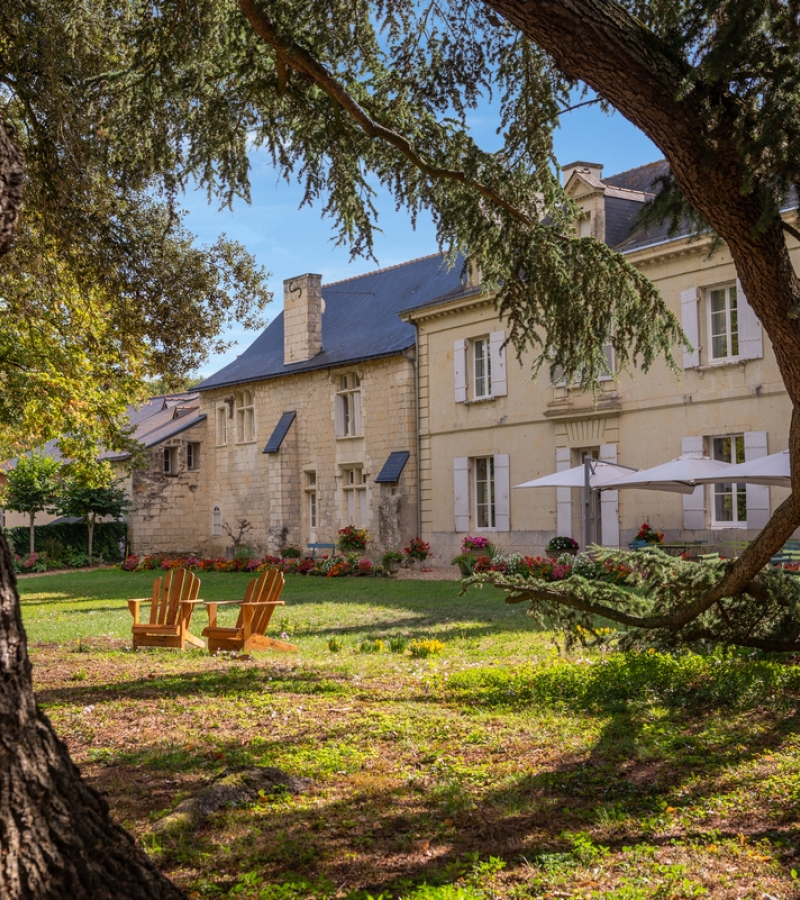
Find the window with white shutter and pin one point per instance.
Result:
(690, 322)
(609, 504)
(755, 446)
(563, 494)
(694, 504)
(461, 493)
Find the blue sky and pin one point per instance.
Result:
(288, 241)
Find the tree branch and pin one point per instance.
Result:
(299, 59)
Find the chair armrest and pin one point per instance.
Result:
(259, 603)
(133, 606)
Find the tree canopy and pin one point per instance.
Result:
(103, 286)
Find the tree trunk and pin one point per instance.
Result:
(90, 527)
(11, 183)
(57, 839)
(600, 43)
(32, 533)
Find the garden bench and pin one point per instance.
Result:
(317, 546)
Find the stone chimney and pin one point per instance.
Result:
(302, 318)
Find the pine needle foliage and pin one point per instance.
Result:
(648, 608)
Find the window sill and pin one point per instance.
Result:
(728, 526)
(348, 437)
(243, 443)
(474, 401)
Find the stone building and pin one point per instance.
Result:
(485, 427)
(313, 427)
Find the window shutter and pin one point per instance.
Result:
(563, 495)
(502, 492)
(338, 404)
(751, 341)
(460, 370)
(498, 364)
(609, 504)
(694, 504)
(461, 493)
(690, 320)
(755, 446)
(357, 429)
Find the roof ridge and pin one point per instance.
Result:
(408, 262)
(654, 162)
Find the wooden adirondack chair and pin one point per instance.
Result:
(171, 606)
(248, 634)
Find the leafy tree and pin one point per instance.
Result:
(117, 105)
(91, 493)
(103, 286)
(345, 94)
(31, 486)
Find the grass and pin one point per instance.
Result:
(495, 767)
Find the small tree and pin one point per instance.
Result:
(31, 486)
(93, 494)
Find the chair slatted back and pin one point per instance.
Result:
(266, 588)
(169, 591)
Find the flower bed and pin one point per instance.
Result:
(328, 566)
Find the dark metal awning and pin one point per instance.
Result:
(393, 466)
(277, 436)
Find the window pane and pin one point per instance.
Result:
(734, 321)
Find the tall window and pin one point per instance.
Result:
(355, 492)
(348, 405)
(485, 514)
(170, 467)
(481, 368)
(216, 521)
(311, 498)
(724, 322)
(245, 417)
(730, 500)
(222, 425)
(193, 457)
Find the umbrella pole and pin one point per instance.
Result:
(587, 497)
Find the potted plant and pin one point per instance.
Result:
(417, 550)
(648, 535)
(472, 548)
(391, 561)
(352, 539)
(560, 545)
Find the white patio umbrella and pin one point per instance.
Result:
(772, 470)
(589, 475)
(680, 475)
(599, 473)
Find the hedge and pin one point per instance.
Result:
(108, 536)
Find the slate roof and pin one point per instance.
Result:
(360, 322)
(155, 421)
(161, 418)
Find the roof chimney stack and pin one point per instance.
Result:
(302, 318)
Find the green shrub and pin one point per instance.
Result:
(73, 537)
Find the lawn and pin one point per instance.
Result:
(500, 767)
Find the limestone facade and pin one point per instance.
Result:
(476, 443)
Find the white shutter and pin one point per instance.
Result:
(338, 406)
(460, 370)
(751, 340)
(694, 504)
(461, 493)
(563, 494)
(357, 429)
(755, 446)
(497, 355)
(502, 493)
(690, 320)
(609, 504)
